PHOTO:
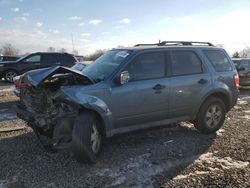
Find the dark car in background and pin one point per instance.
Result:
(8, 58)
(243, 67)
(10, 69)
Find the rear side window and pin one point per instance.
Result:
(33, 58)
(50, 59)
(219, 60)
(67, 60)
(147, 66)
(185, 63)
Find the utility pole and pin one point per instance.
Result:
(72, 40)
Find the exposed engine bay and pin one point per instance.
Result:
(43, 109)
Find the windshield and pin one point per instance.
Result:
(105, 65)
(79, 66)
(21, 58)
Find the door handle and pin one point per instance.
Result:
(202, 81)
(37, 63)
(158, 87)
(58, 63)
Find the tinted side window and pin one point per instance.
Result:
(185, 63)
(219, 60)
(67, 59)
(33, 58)
(50, 59)
(147, 66)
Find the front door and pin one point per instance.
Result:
(31, 62)
(145, 98)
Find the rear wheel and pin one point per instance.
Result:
(211, 116)
(9, 75)
(86, 138)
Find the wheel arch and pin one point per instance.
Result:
(99, 117)
(10, 69)
(222, 95)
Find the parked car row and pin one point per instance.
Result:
(8, 58)
(10, 69)
(243, 68)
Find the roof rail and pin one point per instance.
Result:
(172, 43)
(146, 44)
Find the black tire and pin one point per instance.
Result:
(211, 116)
(82, 146)
(9, 75)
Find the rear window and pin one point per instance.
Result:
(67, 59)
(50, 59)
(185, 63)
(219, 60)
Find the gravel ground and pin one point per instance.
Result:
(173, 156)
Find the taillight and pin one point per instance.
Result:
(20, 85)
(76, 62)
(236, 80)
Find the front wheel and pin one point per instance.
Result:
(211, 116)
(86, 138)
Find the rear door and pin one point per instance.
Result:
(67, 60)
(50, 60)
(188, 79)
(145, 98)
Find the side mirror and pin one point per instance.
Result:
(124, 77)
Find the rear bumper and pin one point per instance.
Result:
(234, 100)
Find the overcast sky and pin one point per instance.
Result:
(35, 25)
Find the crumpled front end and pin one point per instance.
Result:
(41, 106)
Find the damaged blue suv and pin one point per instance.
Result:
(128, 89)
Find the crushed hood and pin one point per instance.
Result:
(36, 77)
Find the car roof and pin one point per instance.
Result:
(139, 48)
(239, 59)
(171, 44)
(9, 56)
(60, 53)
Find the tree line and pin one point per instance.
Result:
(9, 50)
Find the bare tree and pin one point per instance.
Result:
(220, 45)
(8, 49)
(95, 55)
(236, 55)
(245, 53)
(75, 52)
(62, 50)
(51, 49)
